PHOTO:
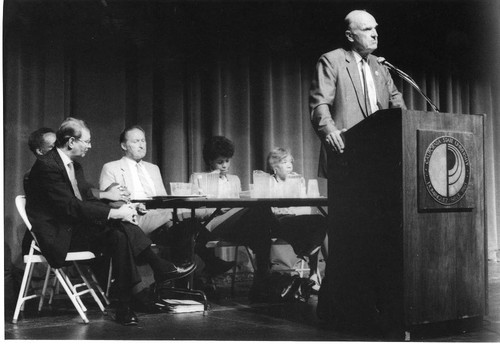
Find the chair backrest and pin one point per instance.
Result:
(21, 209)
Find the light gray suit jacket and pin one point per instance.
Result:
(337, 83)
(118, 171)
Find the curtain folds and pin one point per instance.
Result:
(256, 96)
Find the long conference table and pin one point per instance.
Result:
(197, 202)
(193, 202)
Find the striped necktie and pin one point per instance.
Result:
(365, 89)
(144, 181)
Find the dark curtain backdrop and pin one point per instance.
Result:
(188, 70)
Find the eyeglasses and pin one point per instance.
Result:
(87, 142)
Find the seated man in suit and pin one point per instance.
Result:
(67, 217)
(40, 142)
(141, 178)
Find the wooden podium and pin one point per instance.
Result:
(406, 227)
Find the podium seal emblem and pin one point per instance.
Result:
(446, 168)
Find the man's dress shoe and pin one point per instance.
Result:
(144, 302)
(126, 317)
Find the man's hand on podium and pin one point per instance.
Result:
(334, 140)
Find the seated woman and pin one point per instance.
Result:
(245, 226)
(304, 232)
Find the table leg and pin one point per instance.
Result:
(193, 242)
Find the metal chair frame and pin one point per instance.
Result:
(276, 241)
(74, 291)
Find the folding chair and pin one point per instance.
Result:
(222, 243)
(275, 241)
(303, 268)
(74, 291)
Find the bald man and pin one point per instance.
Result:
(348, 86)
(337, 99)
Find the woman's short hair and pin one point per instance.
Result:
(217, 146)
(123, 134)
(70, 127)
(276, 156)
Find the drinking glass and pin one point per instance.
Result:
(212, 185)
(181, 189)
(251, 189)
(293, 186)
(123, 187)
(312, 188)
(234, 189)
(261, 184)
(278, 190)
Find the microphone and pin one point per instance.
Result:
(383, 61)
(406, 77)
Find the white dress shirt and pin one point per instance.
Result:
(70, 171)
(65, 159)
(137, 191)
(372, 93)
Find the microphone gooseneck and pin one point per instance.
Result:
(408, 78)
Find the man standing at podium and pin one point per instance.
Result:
(349, 85)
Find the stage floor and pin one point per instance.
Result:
(229, 318)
